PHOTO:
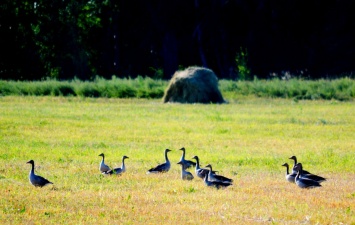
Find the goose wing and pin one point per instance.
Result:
(307, 183)
(314, 177)
(294, 170)
(223, 178)
(164, 167)
(201, 173)
(188, 164)
(117, 171)
(104, 168)
(219, 184)
(39, 181)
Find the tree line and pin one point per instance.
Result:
(237, 39)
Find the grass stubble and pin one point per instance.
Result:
(247, 140)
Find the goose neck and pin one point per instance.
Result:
(183, 155)
(287, 170)
(197, 163)
(166, 156)
(32, 171)
(295, 161)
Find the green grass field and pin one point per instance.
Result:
(247, 140)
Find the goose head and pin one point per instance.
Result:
(285, 165)
(182, 149)
(102, 154)
(195, 157)
(209, 166)
(31, 162)
(293, 157)
(125, 157)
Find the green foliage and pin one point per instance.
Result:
(241, 60)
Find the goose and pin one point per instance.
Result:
(185, 175)
(312, 176)
(304, 182)
(36, 180)
(289, 176)
(216, 184)
(186, 163)
(200, 172)
(118, 170)
(103, 167)
(162, 168)
(215, 177)
(294, 170)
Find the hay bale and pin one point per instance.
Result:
(193, 85)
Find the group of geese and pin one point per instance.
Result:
(301, 177)
(207, 174)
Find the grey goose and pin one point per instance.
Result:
(36, 180)
(215, 177)
(161, 168)
(200, 172)
(118, 170)
(312, 176)
(304, 182)
(186, 163)
(216, 184)
(103, 167)
(289, 176)
(185, 175)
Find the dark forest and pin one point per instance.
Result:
(66, 39)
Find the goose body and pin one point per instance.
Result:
(185, 163)
(215, 177)
(216, 184)
(311, 176)
(161, 168)
(118, 170)
(304, 182)
(294, 170)
(103, 167)
(185, 175)
(36, 180)
(289, 177)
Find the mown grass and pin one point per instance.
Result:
(247, 140)
(340, 89)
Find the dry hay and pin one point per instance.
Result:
(193, 85)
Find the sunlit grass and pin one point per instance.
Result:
(247, 140)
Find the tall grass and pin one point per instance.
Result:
(114, 88)
(340, 89)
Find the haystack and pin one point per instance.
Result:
(193, 85)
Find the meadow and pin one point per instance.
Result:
(247, 140)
